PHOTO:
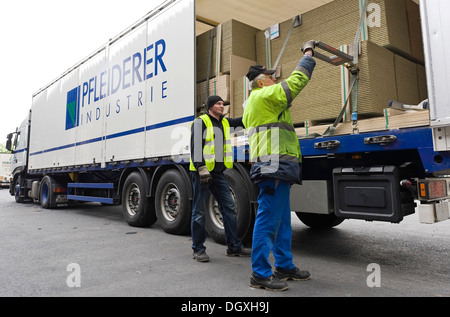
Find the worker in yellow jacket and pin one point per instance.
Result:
(276, 165)
(211, 154)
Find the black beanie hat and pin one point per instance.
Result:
(212, 100)
(256, 70)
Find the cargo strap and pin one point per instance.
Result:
(354, 90)
(216, 32)
(295, 22)
(218, 55)
(212, 34)
(330, 130)
(354, 70)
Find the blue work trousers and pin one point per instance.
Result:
(220, 189)
(272, 231)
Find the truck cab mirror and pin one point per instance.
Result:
(9, 142)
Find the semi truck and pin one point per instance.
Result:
(5, 169)
(115, 129)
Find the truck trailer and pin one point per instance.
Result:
(115, 129)
(5, 169)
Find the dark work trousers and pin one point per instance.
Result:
(219, 188)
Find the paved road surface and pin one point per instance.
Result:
(52, 252)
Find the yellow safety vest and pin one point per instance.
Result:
(209, 148)
(271, 135)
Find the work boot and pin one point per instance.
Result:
(294, 274)
(200, 256)
(242, 252)
(271, 283)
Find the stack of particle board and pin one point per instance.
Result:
(415, 31)
(217, 86)
(390, 61)
(388, 69)
(235, 41)
(336, 22)
(322, 98)
(234, 38)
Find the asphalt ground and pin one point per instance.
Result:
(90, 251)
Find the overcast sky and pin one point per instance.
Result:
(41, 39)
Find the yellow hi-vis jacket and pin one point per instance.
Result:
(209, 147)
(274, 145)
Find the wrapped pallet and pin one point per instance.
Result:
(231, 38)
(335, 24)
(322, 100)
(389, 66)
(383, 76)
(217, 86)
(386, 67)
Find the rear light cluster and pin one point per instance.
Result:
(60, 190)
(433, 188)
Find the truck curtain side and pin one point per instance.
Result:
(120, 133)
(120, 130)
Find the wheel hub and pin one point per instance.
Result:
(134, 198)
(171, 203)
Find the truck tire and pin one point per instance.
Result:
(239, 192)
(17, 185)
(137, 208)
(46, 194)
(318, 221)
(173, 208)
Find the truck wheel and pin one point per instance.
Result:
(172, 203)
(136, 206)
(214, 223)
(17, 197)
(47, 196)
(318, 221)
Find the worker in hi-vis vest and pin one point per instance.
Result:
(211, 154)
(276, 165)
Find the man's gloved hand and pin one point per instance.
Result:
(310, 45)
(205, 176)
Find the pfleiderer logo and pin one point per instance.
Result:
(73, 109)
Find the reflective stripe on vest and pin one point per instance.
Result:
(273, 142)
(209, 148)
(265, 140)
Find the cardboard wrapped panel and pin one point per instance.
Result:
(236, 38)
(239, 68)
(321, 98)
(393, 31)
(377, 83)
(238, 97)
(422, 82)
(415, 31)
(217, 86)
(204, 44)
(407, 81)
